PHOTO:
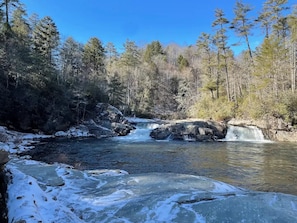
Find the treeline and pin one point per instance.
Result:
(48, 84)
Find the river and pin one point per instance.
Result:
(255, 165)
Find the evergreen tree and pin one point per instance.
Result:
(204, 43)
(131, 56)
(130, 60)
(271, 16)
(220, 41)
(112, 55)
(241, 24)
(71, 54)
(94, 70)
(153, 49)
(46, 40)
(20, 45)
(94, 56)
(116, 91)
(270, 57)
(182, 62)
(7, 5)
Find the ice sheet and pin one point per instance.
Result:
(59, 193)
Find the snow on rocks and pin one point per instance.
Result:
(75, 132)
(16, 142)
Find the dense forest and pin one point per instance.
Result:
(48, 84)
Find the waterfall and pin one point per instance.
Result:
(142, 131)
(244, 133)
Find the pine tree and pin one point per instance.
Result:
(7, 5)
(204, 44)
(71, 54)
(94, 69)
(153, 49)
(20, 45)
(182, 62)
(241, 24)
(94, 56)
(46, 40)
(116, 91)
(220, 41)
(112, 55)
(271, 16)
(129, 61)
(131, 55)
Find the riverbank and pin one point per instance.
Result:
(19, 142)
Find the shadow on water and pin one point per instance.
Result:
(256, 166)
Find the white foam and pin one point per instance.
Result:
(245, 133)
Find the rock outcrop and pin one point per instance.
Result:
(108, 122)
(273, 128)
(191, 131)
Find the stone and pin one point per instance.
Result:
(191, 131)
(160, 133)
(3, 157)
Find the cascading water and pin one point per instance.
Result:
(244, 133)
(141, 133)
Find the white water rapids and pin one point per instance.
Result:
(234, 133)
(244, 133)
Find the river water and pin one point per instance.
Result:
(260, 165)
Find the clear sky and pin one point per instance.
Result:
(143, 21)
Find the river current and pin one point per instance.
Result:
(261, 166)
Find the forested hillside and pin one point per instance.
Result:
(48, 84)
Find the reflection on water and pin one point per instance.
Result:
(256, 166)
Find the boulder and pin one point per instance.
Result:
(191, 131)
(109, 117)
(121, 129)
(98, 130)
(3, 158)
(108, 121)
(160, 133)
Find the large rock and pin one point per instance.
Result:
(3, 158)
(112, 118)
(107, 122)
(191, 131)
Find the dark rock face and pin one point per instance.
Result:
(3, 186)
(192, 131)
(3, 158)
(160, 133)
(109, 117)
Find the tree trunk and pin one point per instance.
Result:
(294, 68)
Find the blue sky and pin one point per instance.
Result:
(143, 21)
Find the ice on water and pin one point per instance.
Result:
(59, 193)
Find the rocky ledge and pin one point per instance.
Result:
(273, 128)
(108, 122)
(200, 131)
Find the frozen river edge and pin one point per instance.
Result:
(39, 192)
